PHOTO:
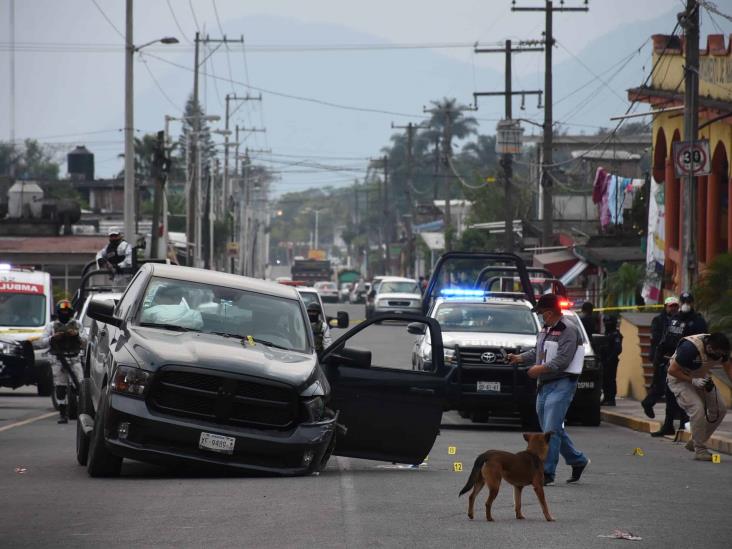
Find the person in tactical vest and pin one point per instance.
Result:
(63, 336)
(610, 358)
(690, 380)
(658, 329)
(685, 323)
(117, 254)
(321, 331)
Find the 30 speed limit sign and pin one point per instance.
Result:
(692, 158)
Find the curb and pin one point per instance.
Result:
(716, 443)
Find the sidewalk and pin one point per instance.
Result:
(628, 413)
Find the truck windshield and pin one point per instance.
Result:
(190, 306)
(391, 287)
(481, 317)
(17, 310)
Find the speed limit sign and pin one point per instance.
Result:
(692, 158)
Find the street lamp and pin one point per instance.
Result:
(129, 186)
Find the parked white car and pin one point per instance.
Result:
(398, 295)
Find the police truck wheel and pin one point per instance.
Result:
(591, 416)
(82, 439)
(101, 462)
(45, 382)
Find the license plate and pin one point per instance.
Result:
(484, 386)
(216, 443)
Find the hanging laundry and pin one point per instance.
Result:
(599, 187)
(607, 200)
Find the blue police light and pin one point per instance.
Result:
(461, 292)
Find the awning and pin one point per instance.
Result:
(434, 241)
(612, 257)
(573, 273)
(558, 263)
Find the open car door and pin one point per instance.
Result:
(457, 272)
(391, 412)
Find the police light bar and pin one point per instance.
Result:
(461, 292)
(5, 266)
(565, 304)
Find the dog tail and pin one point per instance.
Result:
(479, 461)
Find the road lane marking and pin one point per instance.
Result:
(351, 519)
(27, 421)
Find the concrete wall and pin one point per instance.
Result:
(630, 368)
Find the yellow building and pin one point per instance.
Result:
(713, 192)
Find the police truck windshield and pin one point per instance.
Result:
(482, 317)
(22, 309)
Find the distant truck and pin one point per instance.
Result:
(311, 271)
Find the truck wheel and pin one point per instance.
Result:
(465, 414)
(101, 462)
(591, 416)
(529, 419)
(45, 382)
(82, 439)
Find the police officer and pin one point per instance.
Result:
(610, 359)
(690, 381)
(117, 254)
(685, 323)
(63, 335)
(321, 331)
(658, 328)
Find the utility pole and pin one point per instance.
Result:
(387, 218)
(192, 206)
(160, 169)
(231, 97)
(408, 189)
(507, 158)
(129, 184)
(689, 20)
(547, 158)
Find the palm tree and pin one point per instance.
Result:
(444, 112)
(714, 293)
(623, 284)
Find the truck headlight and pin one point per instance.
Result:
(11, 348)
(129, 380)
(450, 356)
(314, 409)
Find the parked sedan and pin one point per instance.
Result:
(197, 366)
(328, 291)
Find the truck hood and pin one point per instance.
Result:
(152, 348)
(488, 339)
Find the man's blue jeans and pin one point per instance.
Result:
(552, 404)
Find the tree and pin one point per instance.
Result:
(623, 285)
(714, 293)
(193, 116)
(31, 160)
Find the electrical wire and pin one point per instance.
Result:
(177, 23)
(157, 84)
(294, 97)
(193, 13)
(124, 38)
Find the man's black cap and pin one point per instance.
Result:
(314, 307)
(547, 301)
(686, 297)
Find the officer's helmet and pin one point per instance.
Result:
(64, 310)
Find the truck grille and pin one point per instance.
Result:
(483, 356)
(230, 400)
(399, 303)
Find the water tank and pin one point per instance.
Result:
(25, 199)
(80, 164)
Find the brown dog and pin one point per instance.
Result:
(519, 469)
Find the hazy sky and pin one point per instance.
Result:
(69, 68)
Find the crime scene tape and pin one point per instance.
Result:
(627, 308)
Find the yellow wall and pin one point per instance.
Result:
(630, 368)
(714, 72)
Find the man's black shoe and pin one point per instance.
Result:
(664, 431)
(548, 480)
(577, 471)
(62, 420)
(610, 402)
(648, 408)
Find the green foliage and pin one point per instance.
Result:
(713, 293)
(31, 160)
(624, 284)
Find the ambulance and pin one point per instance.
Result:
(26, 305)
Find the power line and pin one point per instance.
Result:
(296, 97)
(157, 84)
(177, 24)
(193, 13)
(109, 21)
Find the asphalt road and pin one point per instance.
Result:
(49, 501)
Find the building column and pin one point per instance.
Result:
(713, 212)
(701, 219)
(671, 208)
